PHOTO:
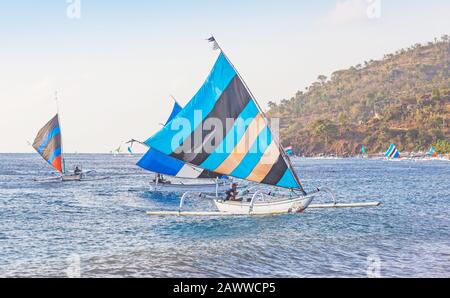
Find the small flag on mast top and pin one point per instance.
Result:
(215, 44)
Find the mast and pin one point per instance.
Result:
(59, 121)
(175, 100)
(276, 140)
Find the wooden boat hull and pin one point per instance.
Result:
(70, 178)
(270, 207)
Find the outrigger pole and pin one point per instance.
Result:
(217, 46)
(132, 141)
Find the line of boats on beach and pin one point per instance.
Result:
(255, 177)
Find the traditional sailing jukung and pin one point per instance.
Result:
(222, 129)
(48, 143)
(432, 152)
(392, 152)
(188, 177)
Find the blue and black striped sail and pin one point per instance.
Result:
(222, 130)
(48, 143)
(392, 152)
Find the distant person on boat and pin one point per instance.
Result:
(232, 193)
(77, 171)
(160, 179)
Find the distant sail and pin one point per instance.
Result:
(363, 150)
(48, 144)
(244, 148)
(157, 162)
(289, 151)
(392, 152)
(130, 150)
(432, 152)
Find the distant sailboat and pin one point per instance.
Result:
(48, 143)
(161, 164)
(117, 151)
(432, 152)
(130, 150)
(289, 151)
(392, 152)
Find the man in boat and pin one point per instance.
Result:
(232, 193)
(160, 179)
(77, 171)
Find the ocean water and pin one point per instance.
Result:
(100, 227)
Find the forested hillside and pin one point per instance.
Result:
(402, 99)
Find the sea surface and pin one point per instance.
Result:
(100, 229)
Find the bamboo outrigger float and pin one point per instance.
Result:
(253, 207)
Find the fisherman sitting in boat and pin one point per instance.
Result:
(160, 179)
(77, 171)
(232, 193)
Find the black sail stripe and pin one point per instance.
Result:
(229, 106)
(276, 172)
(42, 137)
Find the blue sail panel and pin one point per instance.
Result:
(196, 110)
(157, 162)
(392, 152)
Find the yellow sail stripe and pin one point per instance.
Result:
(265, 164)
(243, 146)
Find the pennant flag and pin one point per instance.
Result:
(215, 44)
(49, 145)
(223, 130)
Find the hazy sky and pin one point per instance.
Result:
(116, 65)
